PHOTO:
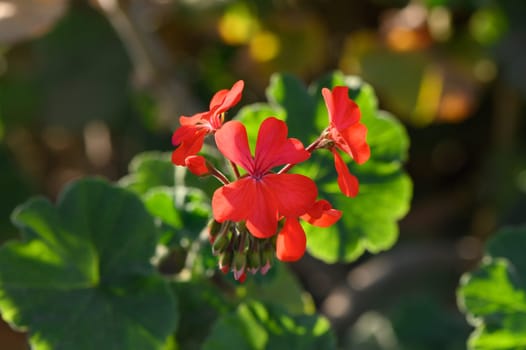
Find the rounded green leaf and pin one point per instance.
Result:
(278, 284)
(369, 221)
(291, 96)
(255, 326)
(494, 295)
(81, 278)
(148, 170)
(204, 302)
(181, 212)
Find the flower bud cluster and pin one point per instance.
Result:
(257, 210)
(238, 251)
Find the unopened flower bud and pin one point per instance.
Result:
(239, 263)
(266, 258)
(197, 165)
(265, 268)
(221, 243)
(214, 229)
(253, 261)
(242, 278)
(225, 261)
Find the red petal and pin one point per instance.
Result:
(273, 148)
(322, 214)
(343, 112)
(247, 199)
(226, 99)
(197, 165)
(195, 119)
(189, 147)
(184, 132)
(262, 220)
(218, 99)
(294, 194)
(232, 142)
(347, 182)
(291, 241)
(355, 143)
(230, 202)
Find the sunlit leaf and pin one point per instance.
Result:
(255, 326)
(183, 211)
(494, 295)
(279, 284)
(370, 220)
(148, 170)
(292, 96)
(81, 278)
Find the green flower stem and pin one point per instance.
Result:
(219, 175)
(235, 169)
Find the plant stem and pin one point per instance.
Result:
(219, 175)
(236, 170)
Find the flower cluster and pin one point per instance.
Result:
(256, 211)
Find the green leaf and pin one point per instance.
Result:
(148, 170)
(255, 326)
(182, 212)
(278, 284)
(369, 221)
(494, 295)
(203, 303)
(82, 47)
(289, 93)
(81, 278)
(444, 327)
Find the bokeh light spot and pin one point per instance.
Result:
(264, 46)
(487, 25)
(455, 106)
(237, 26)
(428, 96)
(7, 10)
(521, 181)
(439, 23)
(97, 140)
(338, 303)
(485, 70)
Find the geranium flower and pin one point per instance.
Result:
(291, 241)
(190, 136)
(348, 135)
(197, 165)
(262, 197)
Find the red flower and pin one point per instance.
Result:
(291, 242)
(262, 197)
(322, 214)
(348, 135)
(197, 165)
(189, 137)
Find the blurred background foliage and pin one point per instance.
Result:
(86, 85)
